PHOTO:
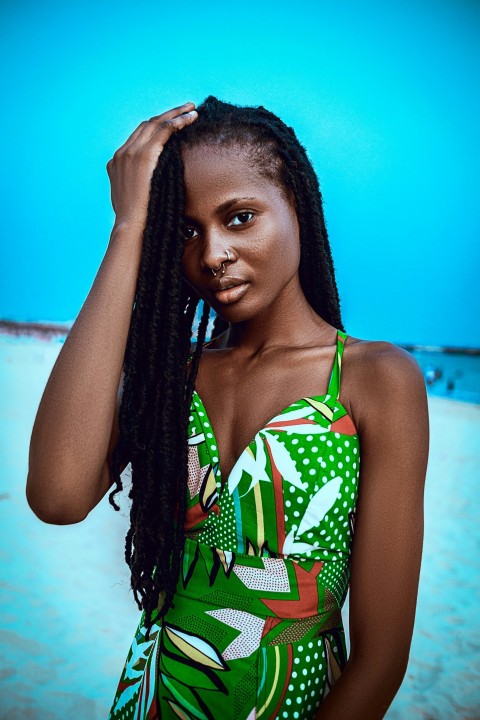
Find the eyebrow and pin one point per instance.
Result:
(228, 204)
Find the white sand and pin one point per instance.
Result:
(68, 616)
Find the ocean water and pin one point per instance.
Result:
(68, 616)
(451, 375)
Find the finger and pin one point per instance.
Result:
(140, 130)
(169, 114)
(167, 127)
(161, 132)
(148, 127)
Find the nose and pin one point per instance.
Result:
(214, 250)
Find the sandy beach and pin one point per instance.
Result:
(68, 615)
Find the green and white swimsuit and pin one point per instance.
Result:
(256, 628)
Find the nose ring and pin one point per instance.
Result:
(214, 271)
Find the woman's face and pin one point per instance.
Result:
(229, 205)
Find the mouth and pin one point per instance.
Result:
(231, 292)
(225, 283)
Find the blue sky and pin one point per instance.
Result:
(384, 97)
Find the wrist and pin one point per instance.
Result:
(128, 225)
(126, 238)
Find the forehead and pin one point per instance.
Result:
(214, 171)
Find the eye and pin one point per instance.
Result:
(189, 232)
(243, 217)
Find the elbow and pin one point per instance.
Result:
(56, 517)
(53, 513)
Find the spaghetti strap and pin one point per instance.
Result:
(333, 391)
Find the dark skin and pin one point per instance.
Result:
(276, 339)
(282, 351)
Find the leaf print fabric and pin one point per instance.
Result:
(255, 630)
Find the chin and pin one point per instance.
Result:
(236, 314)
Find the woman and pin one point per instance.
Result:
(250, 477)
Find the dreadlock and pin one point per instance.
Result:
(153, 421)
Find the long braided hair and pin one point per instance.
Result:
(157, 389)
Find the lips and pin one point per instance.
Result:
(225, 283)
(227, 295)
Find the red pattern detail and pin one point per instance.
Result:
(270, 623)
(308, 595)
(195, 515)
(344, 425)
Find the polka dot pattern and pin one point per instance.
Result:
(312, 476)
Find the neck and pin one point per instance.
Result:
(288, 321)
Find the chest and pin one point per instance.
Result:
(237, 405)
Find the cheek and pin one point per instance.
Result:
(287, 245)
(289, 261)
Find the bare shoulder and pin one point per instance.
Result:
(387, 393)
(369, 358)
(377, 373)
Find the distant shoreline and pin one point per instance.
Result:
(50, 330)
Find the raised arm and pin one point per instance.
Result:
(76, 426)
(78, 413)
(393, 426)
